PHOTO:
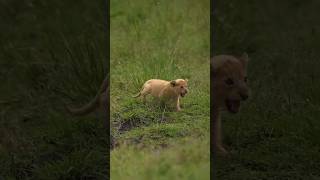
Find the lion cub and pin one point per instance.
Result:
(165, 91)
(229, 87)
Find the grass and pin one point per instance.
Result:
(51, 53)
(276, 135)
(165, 40)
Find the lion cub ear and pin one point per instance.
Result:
(244, 59)
(173, 83)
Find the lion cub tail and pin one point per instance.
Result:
(92, 105)
(137, 95)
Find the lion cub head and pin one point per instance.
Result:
(229, 81)
(180, 86)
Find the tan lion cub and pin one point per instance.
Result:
(229, 87)
(166, 91)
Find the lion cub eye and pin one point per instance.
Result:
(229, 81)
(181, 86)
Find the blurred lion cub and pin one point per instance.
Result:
(165, 91)
(229, 87)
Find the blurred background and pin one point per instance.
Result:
(52, 53)
(277, 134)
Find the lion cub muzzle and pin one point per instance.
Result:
(236, 95)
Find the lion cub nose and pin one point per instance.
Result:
(244, 96)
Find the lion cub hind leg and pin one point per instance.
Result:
(146, 91)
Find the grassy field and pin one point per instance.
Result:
(51, 53)
(166, 40)
(277, 134)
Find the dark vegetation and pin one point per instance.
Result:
(277, 134)
(52, 53)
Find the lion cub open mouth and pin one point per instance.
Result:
(233, 106)
(183, 94)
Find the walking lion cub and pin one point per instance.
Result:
(166, 91)
(229, 87)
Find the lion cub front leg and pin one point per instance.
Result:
(178, 104)
(217, 133)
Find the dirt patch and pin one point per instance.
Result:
(127, 125)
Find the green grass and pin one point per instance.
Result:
(165, 40)
(276, 135)
(51, 54)
(179, 161)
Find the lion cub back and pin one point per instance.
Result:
(156, 86)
